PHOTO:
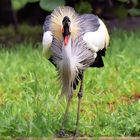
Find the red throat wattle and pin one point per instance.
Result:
(66, 40)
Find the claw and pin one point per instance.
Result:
(62, 134)
(75, 135)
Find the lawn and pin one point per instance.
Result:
(29, 92)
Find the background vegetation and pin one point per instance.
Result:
(29, 90)
(35, 11)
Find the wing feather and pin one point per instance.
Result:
(47, 42)
(47, 38)
(88, 23)
(97, 40)
(46, 25)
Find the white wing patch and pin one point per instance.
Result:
(47, 42)
(97, 40)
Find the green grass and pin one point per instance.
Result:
(29, 92)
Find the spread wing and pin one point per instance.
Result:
(47, 38)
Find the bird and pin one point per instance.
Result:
(73, 42)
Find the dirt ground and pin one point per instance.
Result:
(83, 138)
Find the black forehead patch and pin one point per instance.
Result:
(66, 19)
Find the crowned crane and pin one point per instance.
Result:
(73, 43)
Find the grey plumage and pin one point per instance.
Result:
(88, 23)
(75, 43)
(79, 56)
(46, 25)
(71, 63)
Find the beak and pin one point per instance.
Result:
(66, 29)
(66, 34)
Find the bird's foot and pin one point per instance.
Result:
(62, 134)
(75, 135)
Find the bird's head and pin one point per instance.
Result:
(66, 29)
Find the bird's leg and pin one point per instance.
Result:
(80, 94)
(62, 130)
